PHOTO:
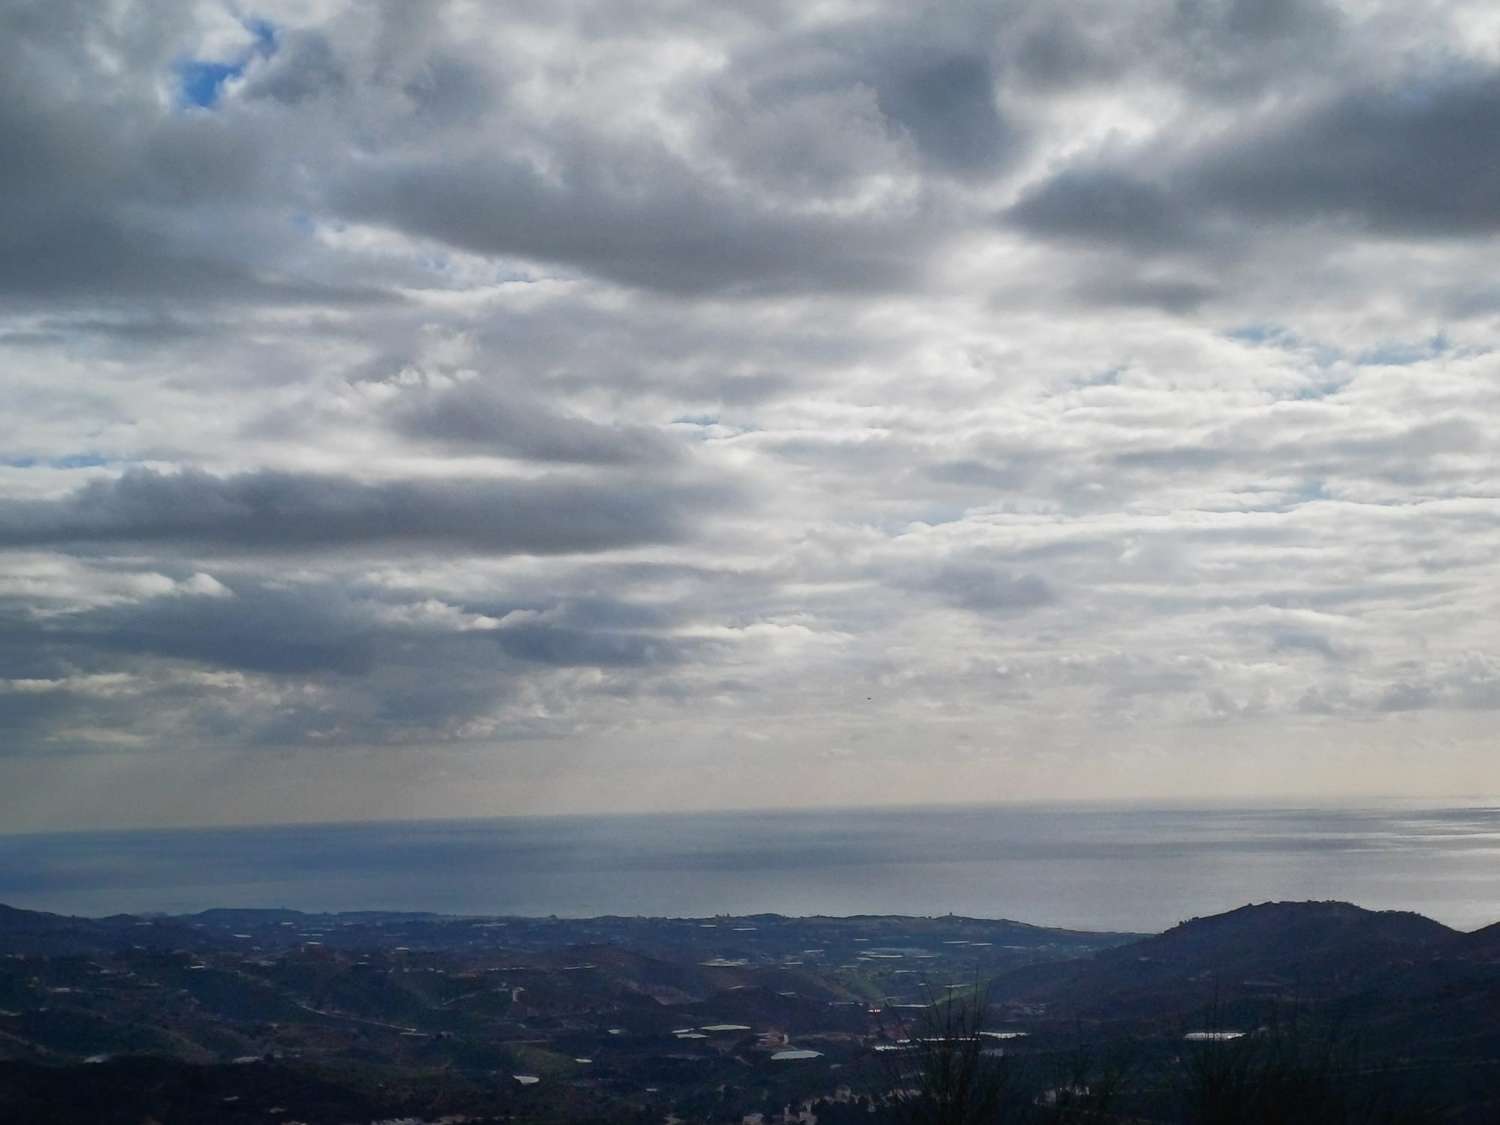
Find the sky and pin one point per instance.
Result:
(456, 409)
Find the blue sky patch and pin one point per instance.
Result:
(67, 461)
(1402, 354)
(201, 82)
(1257, 333)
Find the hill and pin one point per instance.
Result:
(1289, 950)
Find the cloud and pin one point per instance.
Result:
(946, 101)
(985, 588)
(476, 416)
(259, 629)
(268, 511)
(1092, 393)
(1409, 159)
(682, 235)
(1103, 205)
(562, 645)
(311, 662)
(1414, 160)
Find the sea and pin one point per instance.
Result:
(1096, 867)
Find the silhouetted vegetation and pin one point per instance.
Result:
(944, 1069)
(1289, 1073)
(1292, 1074)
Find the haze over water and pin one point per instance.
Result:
(1098, 867)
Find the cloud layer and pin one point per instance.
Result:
(583, 406)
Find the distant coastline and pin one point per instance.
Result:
(1102, 867)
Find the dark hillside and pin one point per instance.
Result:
(1285, 950)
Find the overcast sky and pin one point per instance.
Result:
(420, 409)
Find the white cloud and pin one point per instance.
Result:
(1091, 399)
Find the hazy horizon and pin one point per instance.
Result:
(1270, 803)
(1093, 867)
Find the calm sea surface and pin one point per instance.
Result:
(1109, 867)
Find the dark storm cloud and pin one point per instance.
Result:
(596, 631)
(1103, 204)
(631, 213)
(652, 349)
(1220, 50)
(503, 421)
(73, 257)
(1413, 159)
(286, 629)
(318, 628)
(1054, 48)
(1420, 157)
(65, 227)
(109, 199)
(256, 628)
(269, 511)
(976, 583)
(304, 67)
(1169, 294)
(937, 94)
(946, 101)
(787, 115)
(294, 663)
(27, 714)
(1003, 474)
(985, 589)
(1232, 48)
